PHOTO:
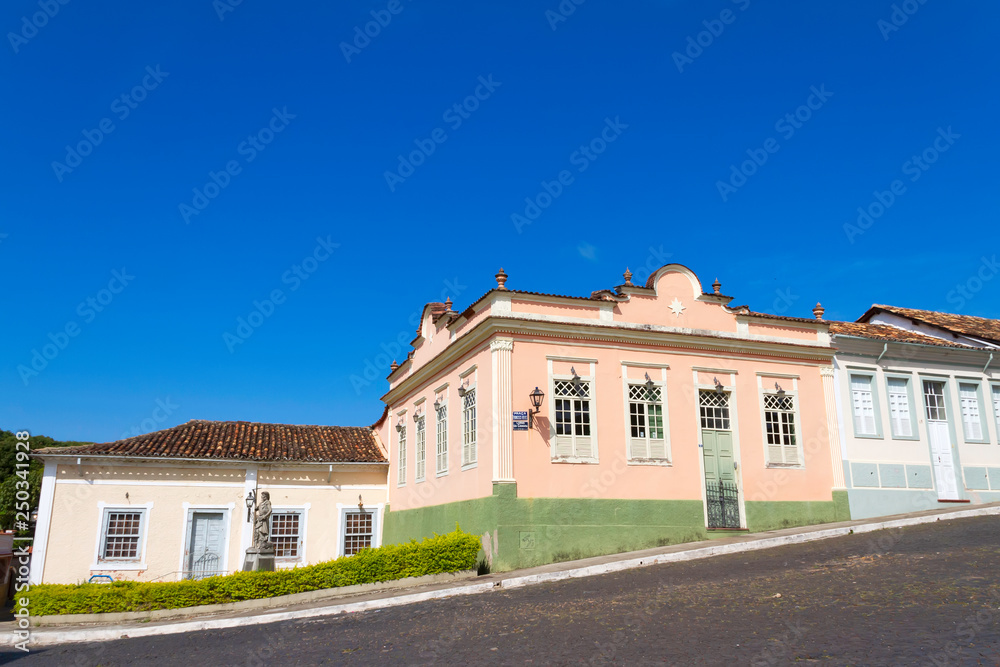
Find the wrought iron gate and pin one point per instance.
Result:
(723, 505)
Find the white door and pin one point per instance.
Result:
(940, 437)
(206, 544)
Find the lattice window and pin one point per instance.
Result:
(934, 400)
(357, 532)
(899, 407)
(469, 453)
(285, 535)
(779, 425)
(646, 433)
(421, 449)
(968, 393)
(122, 532)
(401, 464)
(572, 419)
(714, 406)
(864, 405)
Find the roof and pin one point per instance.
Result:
(967, 325)
(249, 441)
(888, 332)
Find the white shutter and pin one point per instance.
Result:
(996, 405)
(864, 407)
(584, 447)
(899, 407)
(970, 411)
(563, 446)
(774, 454)
(638, 448)
(657, 449)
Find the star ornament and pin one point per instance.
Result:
(677, 307)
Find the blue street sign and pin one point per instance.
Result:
(520, 420)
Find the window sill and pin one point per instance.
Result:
(911, 438)
(571, 459)
(107, 566)
(470, 466)
(663, 463)
(977, 442)
(418, 481)
(869, 436)
(786, 466)
(442, 473)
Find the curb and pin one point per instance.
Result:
(49, 637)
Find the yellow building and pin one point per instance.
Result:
(173, 504)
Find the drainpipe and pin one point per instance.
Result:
(990, 361)
(885, 348)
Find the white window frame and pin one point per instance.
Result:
(441, 438)
(857, 396)
(470, 449)
(138, 563)
(401, 453)
(420, 447)
(797, 422)
(303, 512)
(554, 439)
(661, 384)
(977, 396)
(343, 510)
(910, 406)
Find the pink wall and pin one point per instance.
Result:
(613, 477)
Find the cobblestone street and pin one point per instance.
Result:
(925, 595)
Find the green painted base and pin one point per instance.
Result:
(524, 532)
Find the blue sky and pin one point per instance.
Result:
(309, 117)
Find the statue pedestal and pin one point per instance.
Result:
(259, 559)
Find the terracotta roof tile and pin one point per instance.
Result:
(250, 441)
(967, 325)
(888, 332)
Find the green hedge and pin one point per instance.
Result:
(442, 553)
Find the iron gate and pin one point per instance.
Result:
(723, 505)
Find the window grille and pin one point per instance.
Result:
(934, 400)
(714, 407)
(469, 453)
(646, 433)
(285, 534)
(899, 408)
(779, 424)
(971, 418)
(121, 535)
(357, 532)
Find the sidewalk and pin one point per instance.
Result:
(195, 619)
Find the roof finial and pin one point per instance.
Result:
(628, 277)
(716, 286)
(501, 279)
(447, 302)
(818, 311)
(393, 366)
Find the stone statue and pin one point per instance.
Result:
(262, 523)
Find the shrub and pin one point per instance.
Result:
(442, 553)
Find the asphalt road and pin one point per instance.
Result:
(926, 595)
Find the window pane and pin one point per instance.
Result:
(357, 532)
(285, 534)
(899, 407)
(969, 395)
(121, 537)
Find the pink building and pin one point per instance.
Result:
(663, 415)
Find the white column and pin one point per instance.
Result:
(503, 418)
(45, 503)
(246, 537)
(833, 425)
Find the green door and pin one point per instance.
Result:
(719, 458)
(721, 491)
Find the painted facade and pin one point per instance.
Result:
(919, 409)
(657, 398)
(175, 516)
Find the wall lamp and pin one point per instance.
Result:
(718, 385)
(781, 392)
(536, 405)
(399, 425)
(650, 385)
